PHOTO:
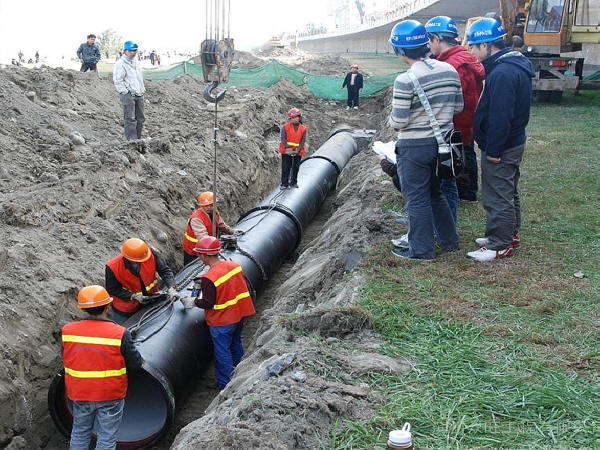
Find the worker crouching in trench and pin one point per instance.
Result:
(226, 300)
(292, 147)
(200, 224)
(131, 278)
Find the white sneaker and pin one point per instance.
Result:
(484, 242)
(402, 242)
(347, 108)
(356, 107)
(484, 255)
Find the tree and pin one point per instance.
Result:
(110, 42)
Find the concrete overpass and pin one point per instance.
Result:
(375, 40)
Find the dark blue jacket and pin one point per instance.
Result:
(358, 81)
(503, 110)
(89, 53)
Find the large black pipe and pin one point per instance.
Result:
(175, 342)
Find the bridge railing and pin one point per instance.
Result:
(372, 20)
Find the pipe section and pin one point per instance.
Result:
(174, 342)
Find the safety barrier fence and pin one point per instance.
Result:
(320, 86)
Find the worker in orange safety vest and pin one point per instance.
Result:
(131, 278)
(200, 224)
(292, 147)
(97, 354)
(226, 301)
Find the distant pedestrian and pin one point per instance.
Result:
(292, 147)
(89, 54)
(129, 82)
(152, 57)
(21, 55)
(417, 145)
(443, 34)
(354, 83)
(98, 357)
(500, 120)
(37, 57)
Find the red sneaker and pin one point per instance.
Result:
(516, 243)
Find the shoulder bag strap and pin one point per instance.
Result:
(442, 146)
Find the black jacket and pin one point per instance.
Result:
(358, 82)
(116, 289)
(503, 110)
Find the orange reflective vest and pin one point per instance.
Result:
(132, 283)
(94, 366)
(233, 301)
(293, 138)
(189, 238)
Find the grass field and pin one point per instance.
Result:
(506, 354)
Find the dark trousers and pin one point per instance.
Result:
(133, 115)
(88, 66)
(290, 164)
(352, 96)
(188, 258)
(467, 182)
(500, 197)
(427, 208)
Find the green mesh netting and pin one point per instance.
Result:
(321, 86)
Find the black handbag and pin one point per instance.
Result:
(451, 155)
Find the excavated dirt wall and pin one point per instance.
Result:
(71, 190)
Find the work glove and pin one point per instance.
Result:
(188, 302)
(172, 294)
(139, 297)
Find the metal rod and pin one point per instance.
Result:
(214, 210)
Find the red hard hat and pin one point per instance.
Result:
(294, 112)
(208, 245)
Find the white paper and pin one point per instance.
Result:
(387, 149)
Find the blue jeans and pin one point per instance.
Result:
(426, 207)
(450, 191)
(229, 350)
(108, 416)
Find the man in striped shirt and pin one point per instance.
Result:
(417, 146)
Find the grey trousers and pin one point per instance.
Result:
(501, 201)
(133, 115)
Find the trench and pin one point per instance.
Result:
(199, 398)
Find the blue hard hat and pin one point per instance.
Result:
(485, 30)
(442, 25)
(408, 34)
(130, 45)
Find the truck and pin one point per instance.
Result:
(546, 31)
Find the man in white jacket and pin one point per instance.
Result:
(129, 82)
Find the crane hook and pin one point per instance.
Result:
(213, 98)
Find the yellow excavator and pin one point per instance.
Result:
(544, 30)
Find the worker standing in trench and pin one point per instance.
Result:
(226, 300)
(131, 278)
(292, 147)
(200, 224)
(97, 356)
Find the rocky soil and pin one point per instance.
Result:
(71, 190)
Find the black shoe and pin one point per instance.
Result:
(214, 387)
(295, 185)
(405, 254)
(283, 186)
